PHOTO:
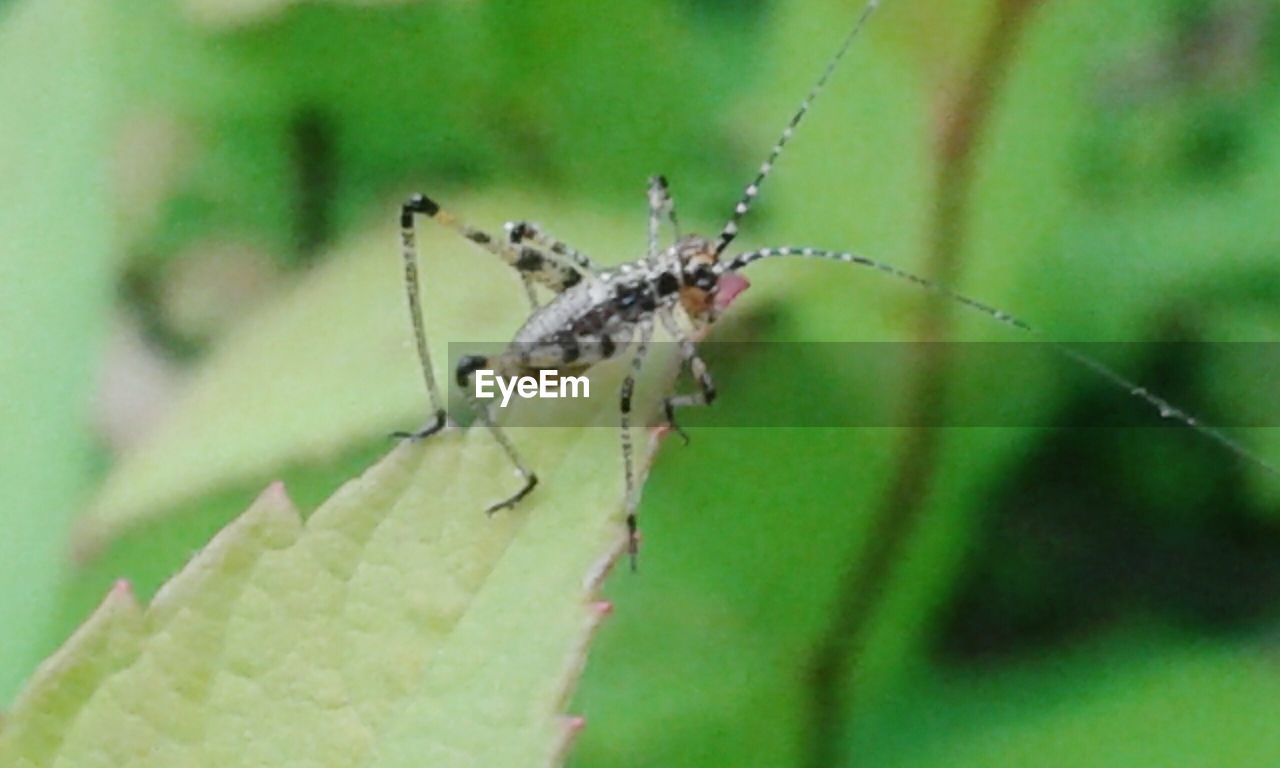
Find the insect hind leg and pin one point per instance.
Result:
(518, 232)
(419, 204)
(530, 266)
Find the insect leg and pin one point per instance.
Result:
(530, 293)
(409, 251)
(553, 271)
(660, 205)
(706, 393)
(467, 367)
(644, 334)
(520, 231)
(528, 262)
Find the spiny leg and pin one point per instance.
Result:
(529, 263)
(527, 358)
(660, 205)
(520, 231)
(467, 367)
(409, 251)
(644, 334)
(706, 393)
(420, 203)
(553, 271)
(530, 293)
(730, 230)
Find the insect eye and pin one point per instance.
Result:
(667, 283)
(704, 278)
(626, 296)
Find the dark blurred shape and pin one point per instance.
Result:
(1085, 536)
(316, 163)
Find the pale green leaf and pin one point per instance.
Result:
(399, 626)
(55, 282)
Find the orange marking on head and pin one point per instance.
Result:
(695, 301)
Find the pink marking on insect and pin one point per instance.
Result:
(730, 286)
(602, 607)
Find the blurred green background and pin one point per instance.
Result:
(173, 173)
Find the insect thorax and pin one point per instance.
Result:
(603, 312)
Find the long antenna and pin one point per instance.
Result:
(730, 230)
(1166, 409)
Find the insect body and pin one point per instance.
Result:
(599, 313)
(595, 315)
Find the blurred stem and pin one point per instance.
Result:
(866, 582)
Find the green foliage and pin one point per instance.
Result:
(422, 90)
(1125, 188)
(398, 625)
(55, 272)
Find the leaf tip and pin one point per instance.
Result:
(275, 494)
(570, 727)
(272, 518)
(120, 599)
(573, 724)
(98, 647)
(271, 522)
(600, 569)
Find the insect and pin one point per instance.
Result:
(600, 313)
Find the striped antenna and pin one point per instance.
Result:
(1166, 409)
(730, 230)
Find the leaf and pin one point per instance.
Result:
(55, 276)
(399, 626)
